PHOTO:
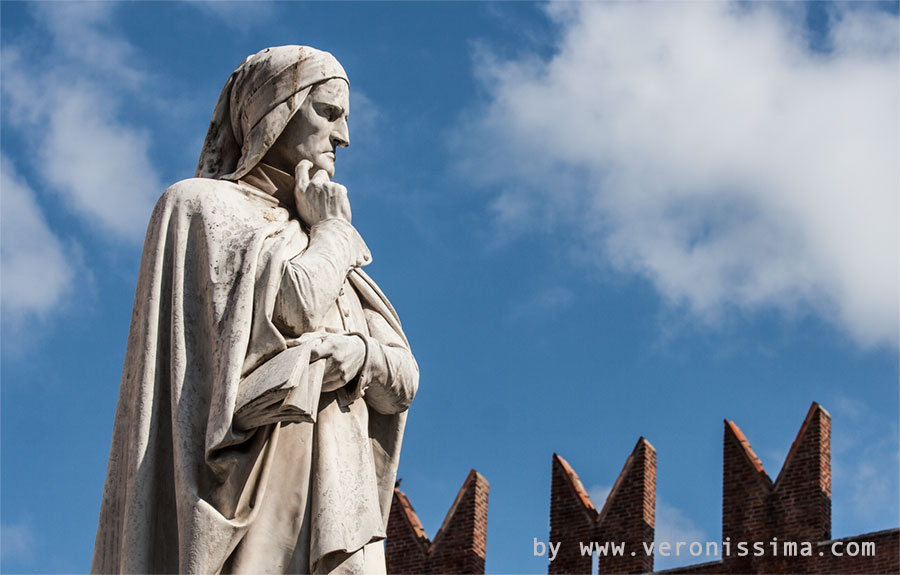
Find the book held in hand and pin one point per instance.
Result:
(285, 389)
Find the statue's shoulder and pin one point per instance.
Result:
(201, 194)
(198, 189)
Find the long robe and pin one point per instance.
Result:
(212, 303)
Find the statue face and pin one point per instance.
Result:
(316, 131)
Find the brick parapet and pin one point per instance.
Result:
(407, 543)
(746, 494)
(629, 513)
(802, 492)
(460, 544)
(886, 559)
(627, 516)
(572, 519)
(795, 508)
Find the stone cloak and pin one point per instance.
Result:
(182, 484)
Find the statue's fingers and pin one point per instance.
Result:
(320, 177)
(332, 380)
(322, 348)
(301, 174)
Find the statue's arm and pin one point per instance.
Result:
(389, 376)
(311, 281)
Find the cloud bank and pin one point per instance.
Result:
(865, 460)
(17, 542)
(68, 102)
(36, 270)
(708, 149)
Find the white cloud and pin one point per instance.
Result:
(598, 495)
(365, 117)
(864, 463)
(36, 271)
(774, 458)
(16, 542)
(872, 487)
(85, 33)
(864, 33)
(68, 103)
(235, 14)
(100, 167)
(545, 302)
(705, 147)
(673, 526)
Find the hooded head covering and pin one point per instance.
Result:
(256, 104)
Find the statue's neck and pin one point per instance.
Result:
(272, 181)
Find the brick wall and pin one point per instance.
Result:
(795, 507)
(628, 515)
(572, 518)
(886, 559)
(407, 543)
(459, 545)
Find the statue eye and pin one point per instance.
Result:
(329, 111)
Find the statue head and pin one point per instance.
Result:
(293, 95)
(316, 131)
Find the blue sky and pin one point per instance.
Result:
(597, 221)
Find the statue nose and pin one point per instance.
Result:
(340, 137)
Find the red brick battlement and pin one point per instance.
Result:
(628, 515)
(796, 507)
(459, 546)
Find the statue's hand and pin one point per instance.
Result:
(344, 355)
(318, 198)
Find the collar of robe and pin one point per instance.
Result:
(272, 181)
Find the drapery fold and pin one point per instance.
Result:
(180, 476)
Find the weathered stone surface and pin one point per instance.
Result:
(253, 256)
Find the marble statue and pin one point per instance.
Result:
(253, 257)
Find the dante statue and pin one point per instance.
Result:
(252, 260)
